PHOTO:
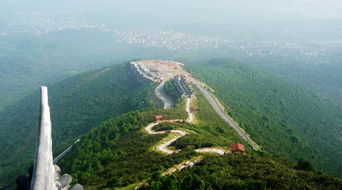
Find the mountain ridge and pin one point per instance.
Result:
(92, 97)
(120, 154)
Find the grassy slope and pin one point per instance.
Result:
(285, 119)
(77, 104)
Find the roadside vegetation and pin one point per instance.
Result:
(171, 90)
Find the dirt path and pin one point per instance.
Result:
(149, 127)
(188, 110)
(213, 150)
(163, 147)
(182, 165)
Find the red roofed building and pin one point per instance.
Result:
(237, 148)
(158, 117)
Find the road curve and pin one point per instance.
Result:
(215, 105)
(161, 94)
(163, 147)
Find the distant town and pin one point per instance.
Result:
(37, 23)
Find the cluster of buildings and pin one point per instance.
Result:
(166, 39)
(158, 70)
(300, 51)
(181, 86)
(38, 23)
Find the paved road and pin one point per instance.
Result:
(161, 94)
(214, 104)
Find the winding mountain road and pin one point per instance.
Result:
(163, 147)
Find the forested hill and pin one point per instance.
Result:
(118, 154)
(285, 119)
(77, 104)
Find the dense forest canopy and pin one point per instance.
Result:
(285, 119)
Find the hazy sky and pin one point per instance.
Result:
(309, 8)
(321, 19)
